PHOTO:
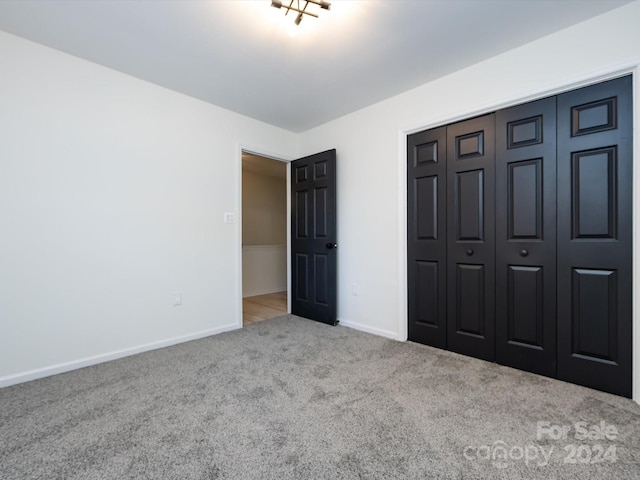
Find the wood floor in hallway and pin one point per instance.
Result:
(262, 307)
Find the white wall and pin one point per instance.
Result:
(371, 154)
(264, 208)
(264, 269)
(112, 194)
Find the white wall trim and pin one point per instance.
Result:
(403, 292)
(612, 71)
(289, 238)
(107, 357)
(367, 329)
(239, 297)
(635, 308)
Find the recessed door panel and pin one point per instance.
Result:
(301, 225)
(470, 298)
(594, 308)
(427, 247)
(469, 145)
(526, 236)
(320, 169)
(425, 153)
(427, 215)
(470, 237)
(427, 284)
(524, 131)
(524, 188)
(594, 236)
(301, 173)
(526, 306)
(321, 271)
(469, 206)
(594, 117)
(594, 196)
(302, 277)
(320, 198)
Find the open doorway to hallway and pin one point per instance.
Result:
(264, 238)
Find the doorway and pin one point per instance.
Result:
(264, 238)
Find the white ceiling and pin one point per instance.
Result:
(239, 54)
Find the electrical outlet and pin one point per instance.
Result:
(177, 298)
(355, 290)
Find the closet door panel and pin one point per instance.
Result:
(526, 236)
(594, 236)
(470, 237)
(426, 266)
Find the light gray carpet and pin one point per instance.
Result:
(289, 398)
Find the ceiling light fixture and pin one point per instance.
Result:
(301, 11)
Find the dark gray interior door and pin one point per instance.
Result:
(427, 238)
(526, 236)
(595, 236)
(471, 237)
(313, 237)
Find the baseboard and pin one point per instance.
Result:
(86, 362)
(365, 328)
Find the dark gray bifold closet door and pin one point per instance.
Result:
(594, 236)
(538, 241)
(471, 237)
(526, 236)
(427, 239)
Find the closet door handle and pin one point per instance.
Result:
(469, 252)
(524, 253)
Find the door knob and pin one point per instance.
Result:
(524, 253)
(331, 245)
(469, 252)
